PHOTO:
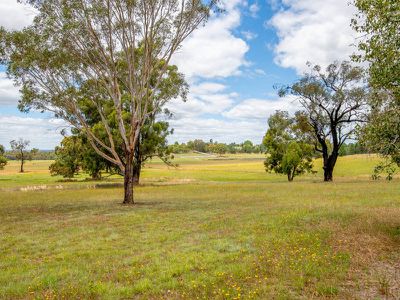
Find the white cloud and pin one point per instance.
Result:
(14, 15)
(233, 123)
(207, 87)
(254, 9)
(9, 94)
(249, 35)
(260, 72)
(226, 131)
(313, 30)
(43, 133)
(204, 98)
(213, 51)
(261, 108)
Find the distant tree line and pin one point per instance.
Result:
(214, 147)
(352, 149)
(39, 155)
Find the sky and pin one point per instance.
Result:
(231, 64)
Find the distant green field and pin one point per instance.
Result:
(211, 228)
(196, 168)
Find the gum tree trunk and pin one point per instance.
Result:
(329, 165)
(129, 180)
(22, 163)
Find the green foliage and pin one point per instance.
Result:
(217, 148)
(76, 153)
(3, 160)
(334, 103)
(179, 148)
(197, 145)
(115, 59)
(153, 143)
(201, 146)
(288, 148)
(378, 22)
(247, 147)
(69, 156)
(352, 148)
(381, 134)
(387, 167)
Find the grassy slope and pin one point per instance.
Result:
(209, 229)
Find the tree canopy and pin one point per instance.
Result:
(288, 148)
(119, 49)
(334, 102)
(378, 22)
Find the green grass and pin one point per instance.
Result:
(209, 229)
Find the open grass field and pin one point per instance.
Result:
(208, 229)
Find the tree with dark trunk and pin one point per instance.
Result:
(124, 48)
(334, 101)
(19, 147)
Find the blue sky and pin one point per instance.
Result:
(231, 65)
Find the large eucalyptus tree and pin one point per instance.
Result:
(334, 100)
(124, 47)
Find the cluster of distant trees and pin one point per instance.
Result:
(39, 155)
(216, 147)
(352, 149)
(110, 80)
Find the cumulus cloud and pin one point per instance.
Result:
(220, 130)
(205, 98)
(229, 122)
(261, 108)
(213, 51)
(14, 15)
(249, 35)
(313, 30)
(254, 9)
(44, 133)
(9, 94)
